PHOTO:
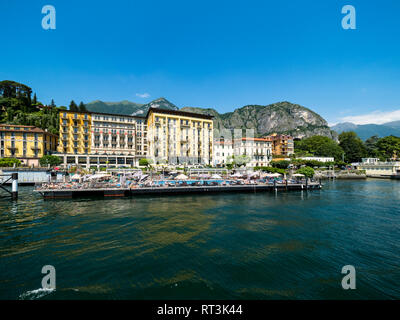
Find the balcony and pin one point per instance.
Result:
(183, 124)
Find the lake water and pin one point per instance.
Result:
(229, 246)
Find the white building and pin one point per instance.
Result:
(259, 150)
(320, 159)
(375, 168)
(223, 150)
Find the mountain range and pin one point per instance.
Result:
(365, 131)
(281, 117)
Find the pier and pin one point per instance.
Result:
(159, 191)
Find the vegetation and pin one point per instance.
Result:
(238, 160)
(18, 107)
(307, 171)
(318, 146)
(49, 160)
(270, 170)
(281, 164)
(352, 146)
(145, 162)
(9, 162)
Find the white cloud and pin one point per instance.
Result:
(377, 117)
(143, 95)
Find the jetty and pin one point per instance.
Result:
(171, 190)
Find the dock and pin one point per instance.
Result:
(159, 191)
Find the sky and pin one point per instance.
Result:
(213, 54)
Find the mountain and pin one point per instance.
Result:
(393, 124)
(128, 107)
(122, 107)
(158, 103)
(365, 131)
(281, 117)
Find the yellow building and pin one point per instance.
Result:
(178, 137)
(26, 143)
(75, 132)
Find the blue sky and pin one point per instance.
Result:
(219, 54)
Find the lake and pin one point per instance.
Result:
(286, 245)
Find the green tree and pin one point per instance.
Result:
(318, 146)
(372, 148)
(82, 107)
(238, 160)
(73, 106)
(352, 146)
(9, 162)
(307, 171)
(281, 164)
(49, 160)
(389, 147)
(145, 162)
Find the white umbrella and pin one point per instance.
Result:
(216, 176)
(204, 175)
(237, 174)
(181, 177)
(76, 176)
(298, 175)
(98, 176)
(274, 175)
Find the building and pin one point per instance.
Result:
(259, 151)
(320, 159)
(178, 137)
(282, 144)
(99, 139)
(93, 139)
(375, 168)
(223, 150)
(26, 143)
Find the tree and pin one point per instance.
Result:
(352, 146)
(238, 160)
(307, 171)
(145, 162)
(49, 160)
(9, 162)
(372, 148)
(82, 107)
(318, 146)
(282, 164)
(34, 101)
(73, 106)
(389, 147)
(52, 104)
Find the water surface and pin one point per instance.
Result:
(228, 246)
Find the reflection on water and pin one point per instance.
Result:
(228, 246)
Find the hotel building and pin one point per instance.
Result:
(178, 137)
(282, 144)
(26, 143)
(100, 139)
(166, 136)
(259, 150)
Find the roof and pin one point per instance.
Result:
(3, 127)
(255, 139)
(104, 113)
(180, 113)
